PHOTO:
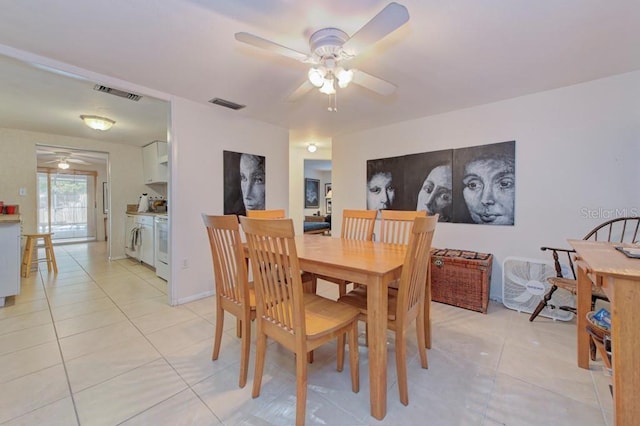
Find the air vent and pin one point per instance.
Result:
(226, 104)
(116, 92)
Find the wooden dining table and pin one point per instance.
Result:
(601, 264)
(374, 265)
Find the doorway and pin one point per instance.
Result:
(69, 194)
(63, 206)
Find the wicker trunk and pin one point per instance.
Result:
(461, 278)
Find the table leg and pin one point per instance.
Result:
(584, 306)
(625, 318)
(377, 310)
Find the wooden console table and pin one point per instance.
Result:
(619, 276)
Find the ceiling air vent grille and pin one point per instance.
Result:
(116, 92)
(226, 104)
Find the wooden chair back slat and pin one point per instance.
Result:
(276, 272)
(412, 286)
(358, 224)
(396, 225)
(619, 230)
(228, 259)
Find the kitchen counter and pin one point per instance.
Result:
(9, 218)
(148, 213)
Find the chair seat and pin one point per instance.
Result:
(358, 299)
(323, 316)
(572, 285)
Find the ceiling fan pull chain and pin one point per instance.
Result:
(333, 103)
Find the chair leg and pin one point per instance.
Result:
(27, 257)
(301, 390)
(543, 303)
(354, 358)
(401, 365)
(51, 257)
(261, 351)
(244, 355)
(420, 332)
(340, 360)
(218, 336)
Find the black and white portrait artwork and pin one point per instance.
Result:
(466, 185)
(484, 177)
(311, 193)
(411, 182)
(244, 182)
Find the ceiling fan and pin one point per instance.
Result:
(62, 159)
(331, 49)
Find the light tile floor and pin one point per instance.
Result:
(99, 345)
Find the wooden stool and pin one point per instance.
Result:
(30, 246)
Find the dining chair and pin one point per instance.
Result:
(396, 225)
(301, 322)
(620, 230)
(395, 228)
(356, 225)
(308, 280)
(407, 305)
(267, 214)
(234, 292)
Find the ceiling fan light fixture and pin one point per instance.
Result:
(316, 77)
(344, 77)
(97, 123)
(312, 147)
(328, 87)
(63, 165)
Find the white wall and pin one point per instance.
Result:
(199, 134)
(577, 153)
(18, 170)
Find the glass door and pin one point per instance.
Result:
(66, 205)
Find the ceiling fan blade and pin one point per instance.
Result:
(389, 19)
(302, 90)
(271, 46)
(378, 85)
(77, 161)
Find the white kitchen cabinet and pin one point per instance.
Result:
(154, 162)
(147, 252)
(139, 238)
(9, 259)
(130, 237)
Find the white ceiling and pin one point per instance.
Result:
(450, 55)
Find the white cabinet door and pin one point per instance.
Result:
(9, 260)
(147, 254)
(154, 162)
(130, 238)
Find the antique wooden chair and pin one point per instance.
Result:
(407, 305)
(300, 322)
(621, 230)
(267, 214)
(234, 293)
